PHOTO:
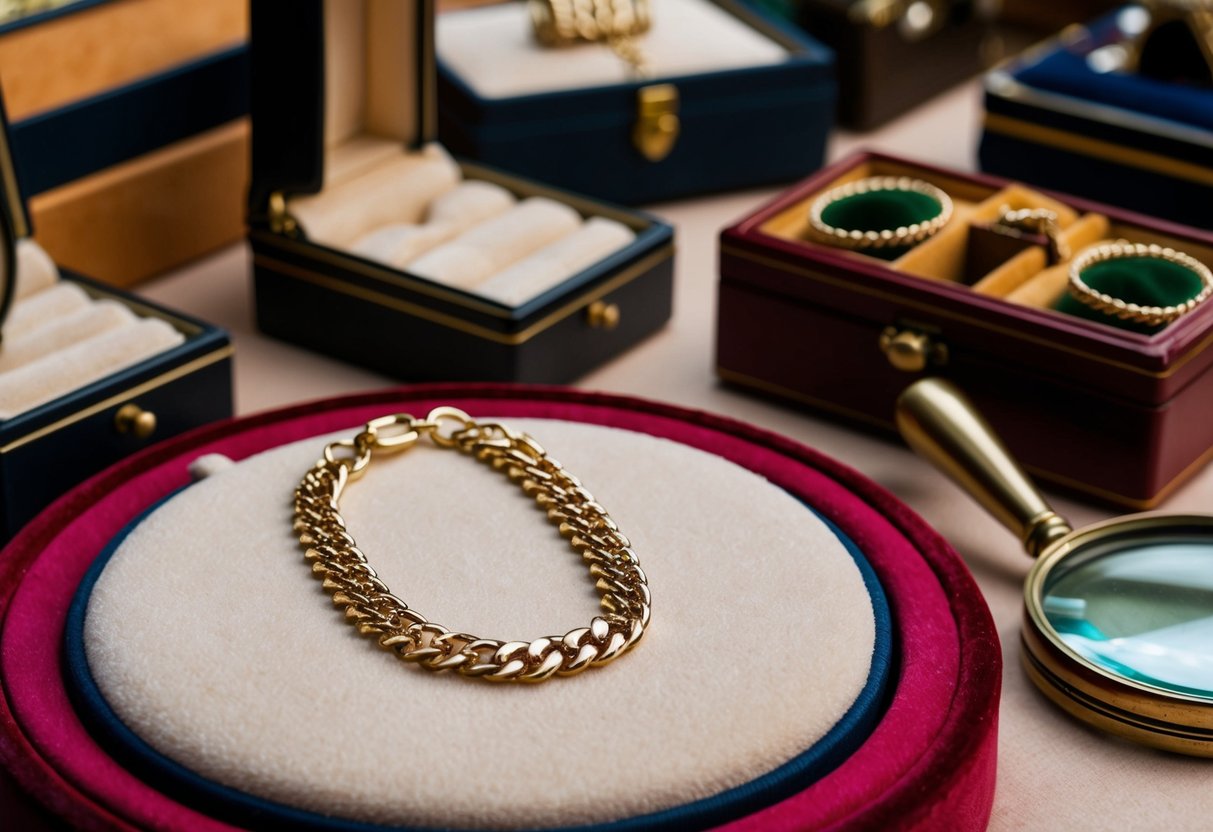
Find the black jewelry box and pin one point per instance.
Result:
(331, 300)
(55, 445)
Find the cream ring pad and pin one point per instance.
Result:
(724, 549)
(930, 757)
(418, 215)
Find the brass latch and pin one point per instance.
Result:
(657, 123)
(910, 350)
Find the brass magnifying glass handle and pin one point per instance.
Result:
(944, 427)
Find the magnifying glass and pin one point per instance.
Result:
(1118, 616)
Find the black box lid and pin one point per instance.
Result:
(303, 68)
(14, 218)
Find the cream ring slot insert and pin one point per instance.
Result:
(967, 250)
(58, 338)
(297, 727)
(414, 213)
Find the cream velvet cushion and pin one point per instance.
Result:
(410, 211)
(493, 50)
(58, 339)
(210, 638)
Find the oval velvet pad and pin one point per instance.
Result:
(209, 639)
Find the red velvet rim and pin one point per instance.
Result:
(930, 762)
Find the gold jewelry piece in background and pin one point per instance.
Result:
(617, 23)
(1035, 221)
(1155, 44)
(1116, 307)
(371, 607)
(856, 239)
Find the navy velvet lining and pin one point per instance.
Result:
(1066, 71)
(256, 813)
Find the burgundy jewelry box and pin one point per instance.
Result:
(1113, 414)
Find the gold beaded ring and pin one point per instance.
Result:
(900, 236)
(616, 23)
(1041, 221)
(1081, 291)
(371, 607)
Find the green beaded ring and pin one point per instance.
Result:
(1135, 286)
(882, 216)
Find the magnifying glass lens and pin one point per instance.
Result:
(1141, 609)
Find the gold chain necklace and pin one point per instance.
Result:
(371, 607)
(617, 23)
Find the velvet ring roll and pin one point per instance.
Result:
(882, 216)
(1135, 286)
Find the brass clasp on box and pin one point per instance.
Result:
(602, 315)
(657, 123)
(915, 19)
(911, 350)
(134, 420)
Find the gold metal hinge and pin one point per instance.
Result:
(281, 221)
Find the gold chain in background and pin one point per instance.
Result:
(617, 23)
(371, 607)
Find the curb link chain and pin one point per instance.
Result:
(371, 607)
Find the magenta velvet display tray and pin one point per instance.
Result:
(929, 762)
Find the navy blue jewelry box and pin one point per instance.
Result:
(730, 128)
(1063, 117)
(329, 299)
(48, 449)
(55, 146)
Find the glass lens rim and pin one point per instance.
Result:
(1094, 680)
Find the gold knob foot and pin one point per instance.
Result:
(133, 419)
(602, 315)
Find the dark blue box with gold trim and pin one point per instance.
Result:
(1071, 116)
(346, 176)
(69, 124)
(730, 98)
(62, 418)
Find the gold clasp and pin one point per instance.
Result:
(391, 433)
(657, 123)
(911, 350)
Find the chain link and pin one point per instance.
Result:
(371, 607)
(617, 23)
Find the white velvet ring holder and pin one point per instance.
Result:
(448, 216)
(396, 192)
(557, 262)
(58, 339)
(489, 247)
(209, 637)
